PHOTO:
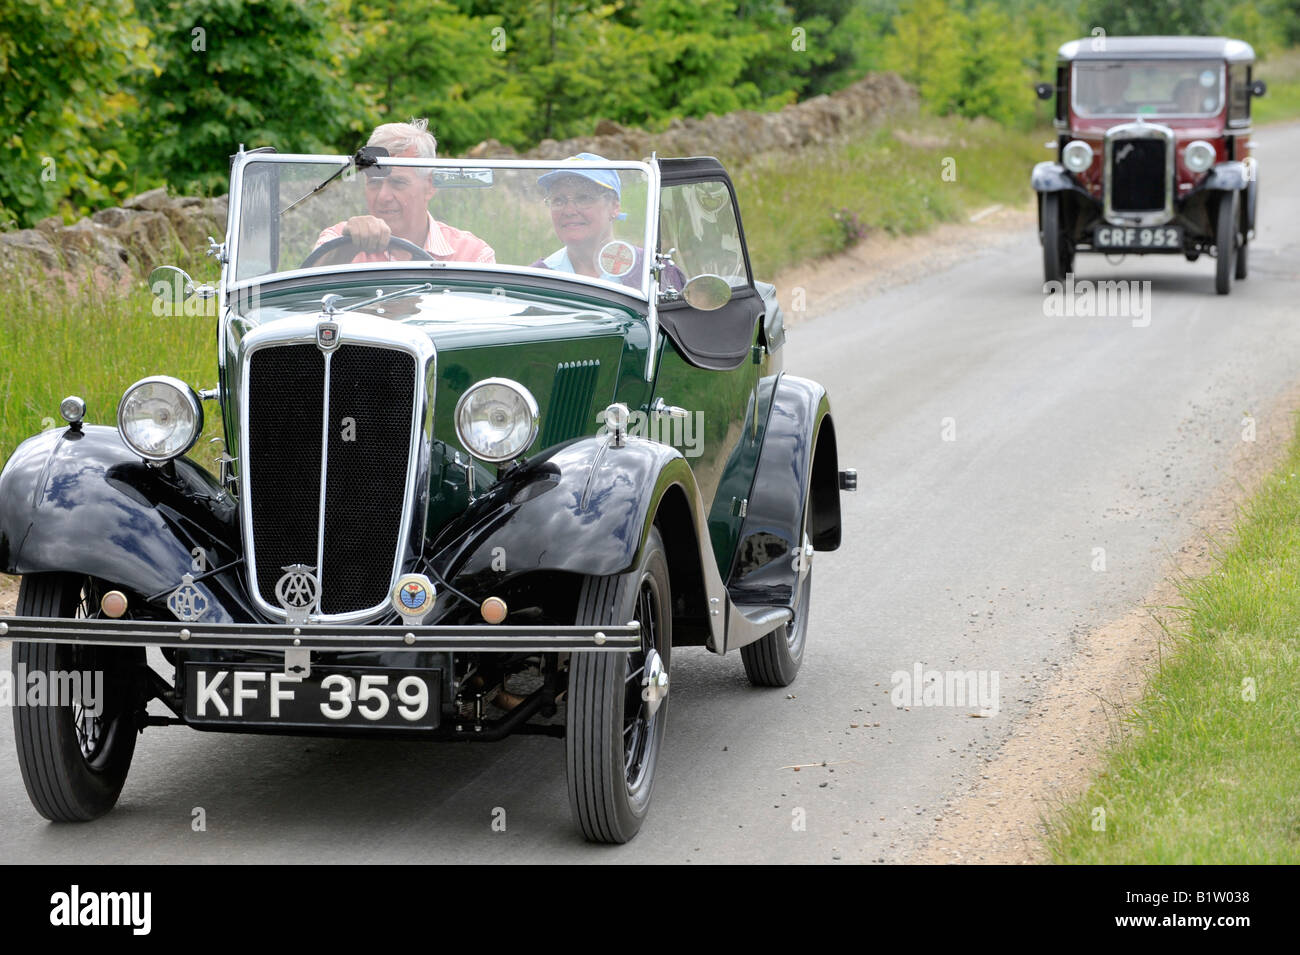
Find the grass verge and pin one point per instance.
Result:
(899, 178)
(93, 341)
(1281, 71)
(1206, 769)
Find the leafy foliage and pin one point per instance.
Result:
(107, 97)
(261, 72)
(60, 100)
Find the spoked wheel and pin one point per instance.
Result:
(617, 702)
(775, 660)
(74, 751)
(1225, 240)
(1058, 254)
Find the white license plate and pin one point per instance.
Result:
(1138, 237)
(264, 695)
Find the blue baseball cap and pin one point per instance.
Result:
(601, 177)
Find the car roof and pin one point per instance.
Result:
(1157, 47)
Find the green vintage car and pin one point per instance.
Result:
(470, 488)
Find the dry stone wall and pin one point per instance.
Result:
(151, 228)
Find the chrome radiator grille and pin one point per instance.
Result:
(348, 525)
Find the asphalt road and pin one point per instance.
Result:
(976, 553)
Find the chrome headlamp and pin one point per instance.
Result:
(1076, 156)
(1199, 155)
(496, 419)
(160, 418)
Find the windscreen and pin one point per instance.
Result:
(571, 219)
(1148, 87)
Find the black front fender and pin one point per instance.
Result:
(82, 502)
(584, 507)
(1053, 177)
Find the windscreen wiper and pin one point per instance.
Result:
(363, 158)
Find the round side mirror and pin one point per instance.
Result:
(1258, 88)
(1044, 90)
(170, 284)
(707, 292)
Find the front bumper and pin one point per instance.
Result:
(325, 638)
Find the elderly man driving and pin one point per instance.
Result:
(399, 206)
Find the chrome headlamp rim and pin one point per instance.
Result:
(186, 392)
(533, 414)
(1077, 147)
(1199, 147)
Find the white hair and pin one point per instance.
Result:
(397, 138)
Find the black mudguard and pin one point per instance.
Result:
(799, 460)
(1225, 177)
(82, 502)
(1053, 177)
(583, 507)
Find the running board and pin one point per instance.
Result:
(745, 625)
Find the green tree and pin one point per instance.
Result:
(260, 72)
(431, 59)
(843, 38)
(924, 49)
(61, 101)
(1125, 18)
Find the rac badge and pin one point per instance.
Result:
(187, 602)
(298, 592)
(413, 598)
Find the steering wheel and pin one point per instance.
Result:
(332, 245)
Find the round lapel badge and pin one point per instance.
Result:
(617, 258)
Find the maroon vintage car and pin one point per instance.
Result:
(1153, 152)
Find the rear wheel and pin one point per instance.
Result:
(1225, 241)
(775, 659)
(615, 728)
(1058, 255)
(74, 753)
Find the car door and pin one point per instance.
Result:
(710, 361)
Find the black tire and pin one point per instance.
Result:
(1058, 256)
(1225, 242)
(73, 763)
(612, 743)
(775, 659)
(1243, 266)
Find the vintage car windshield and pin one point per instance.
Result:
(580, 220)
(1148, 87)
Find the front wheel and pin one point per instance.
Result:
(75, 745)
(615, 721)
(1243, 267)
(1058, 256)
(1225, 241)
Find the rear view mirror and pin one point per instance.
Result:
(170, 284)
(1044, 90)
(1258, 88)
(173, 286)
